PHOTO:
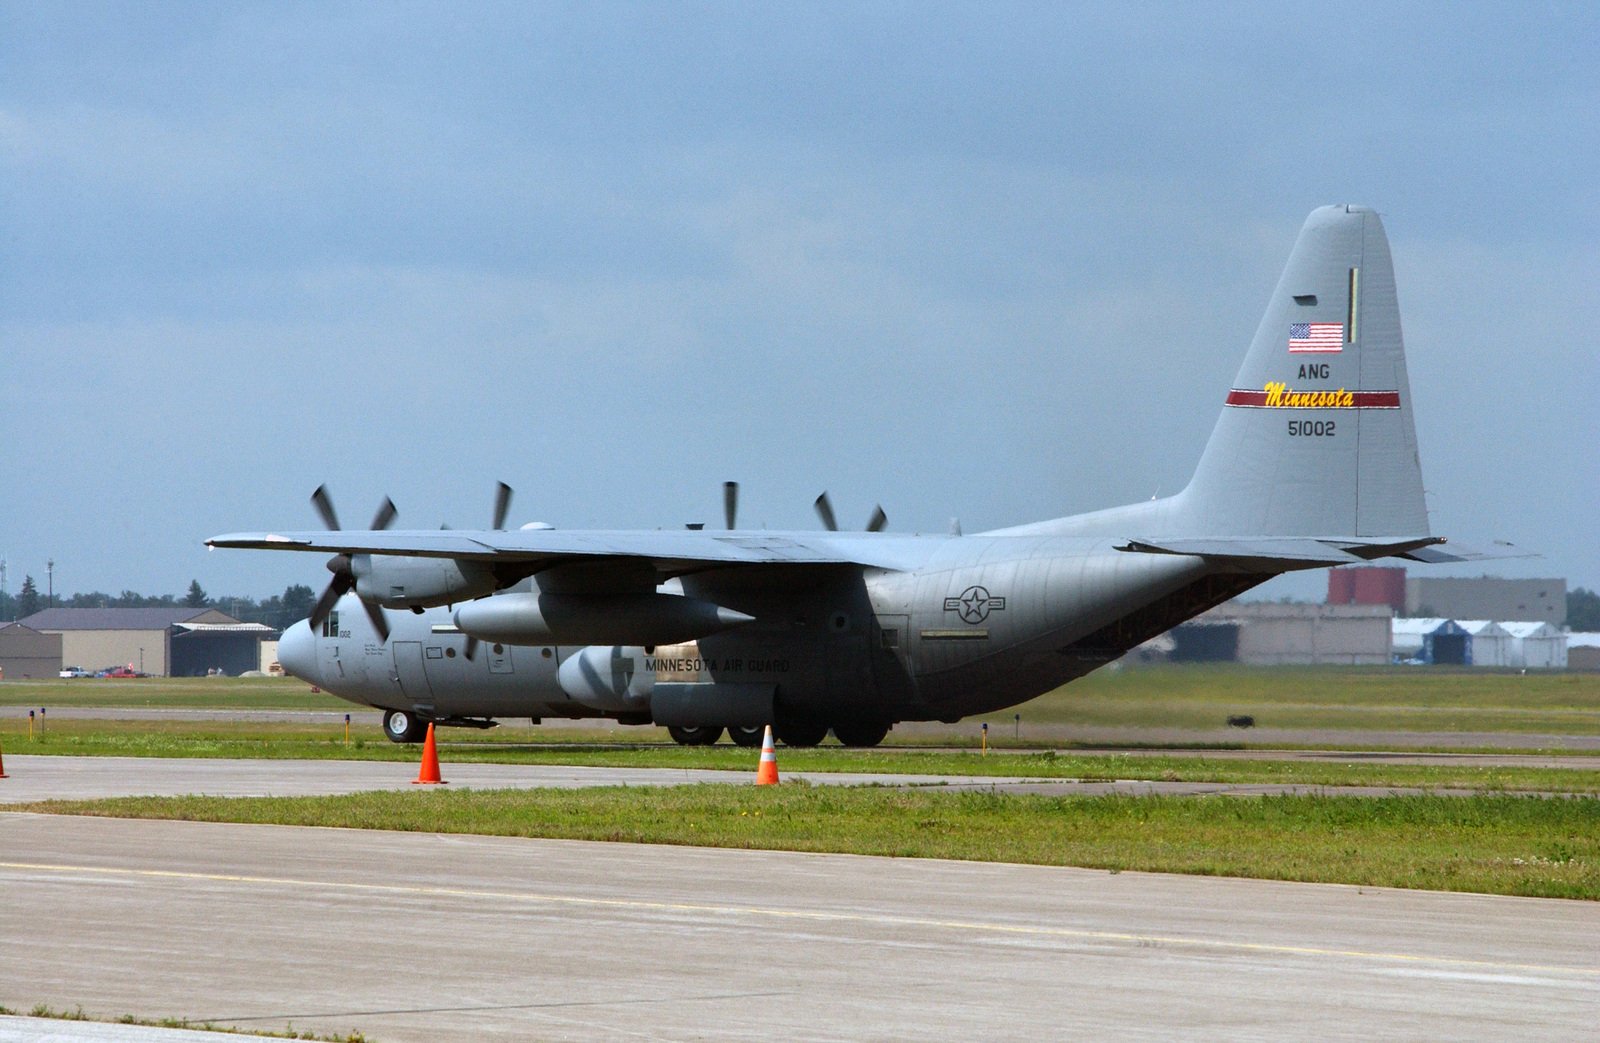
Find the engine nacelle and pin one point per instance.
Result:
(593, 619)
(394, 581)
(608, 677)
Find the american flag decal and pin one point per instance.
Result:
(1315, 337)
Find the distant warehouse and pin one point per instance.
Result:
(1487, 597)
(1280, 634)
(165, 642)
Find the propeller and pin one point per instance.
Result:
(825, 511)
(502, 507)
(730, 502)
(344, 577)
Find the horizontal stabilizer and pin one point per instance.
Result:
(1498, 551)
(1291, 552)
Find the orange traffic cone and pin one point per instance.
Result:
(429, 775)
(767, 772)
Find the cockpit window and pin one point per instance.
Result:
(330, 626)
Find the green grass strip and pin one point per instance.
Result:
(246, 740)
(1546, 847)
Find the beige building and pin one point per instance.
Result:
(1487, 597)
(1267, 633)
(163, 642)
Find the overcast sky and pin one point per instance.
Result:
(995, 262)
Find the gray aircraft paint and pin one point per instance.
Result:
(1313, 461)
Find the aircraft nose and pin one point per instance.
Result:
(297, 652)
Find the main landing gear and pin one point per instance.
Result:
(791, 731)
(401, 726)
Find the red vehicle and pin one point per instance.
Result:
(123, 671)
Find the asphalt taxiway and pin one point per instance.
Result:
(421, 937)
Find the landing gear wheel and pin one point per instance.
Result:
(401, 726)
(860, 733)
(801, 731)
(747, 736)
(705, 735)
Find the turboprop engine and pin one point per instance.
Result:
(415, 582)
(608, 678)
(648, 619)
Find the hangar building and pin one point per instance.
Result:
(25, 653)
(1278, 633)
(166, 642)
(1486, 597)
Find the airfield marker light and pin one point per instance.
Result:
(347, 729)
(1017, 717)
(2, 767)
(986, 738)
(30, 725)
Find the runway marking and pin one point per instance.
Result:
(817, 916)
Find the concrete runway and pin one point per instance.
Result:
(421, 937)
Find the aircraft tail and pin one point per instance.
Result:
(1316, 437)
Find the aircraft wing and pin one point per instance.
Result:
(668, 550)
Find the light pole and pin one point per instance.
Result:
(50, 571)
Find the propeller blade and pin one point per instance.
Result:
(471, 651)
(386, 514)
(879, 520)
(380, 622)
(324, 606)
(730, 502)
(825, 512)
(324, 506)
(502, 505)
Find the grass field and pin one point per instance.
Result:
(1495, 841)
(1168, 699)
(523, 746)
(1355, 698)
(173, 693)
(1377, 699)
(1547, 847)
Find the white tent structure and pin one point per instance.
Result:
(1429, 640)
(1488, 644)
(1536, 645)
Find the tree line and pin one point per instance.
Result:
(279, 611)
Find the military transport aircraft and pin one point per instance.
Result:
(1312, 463)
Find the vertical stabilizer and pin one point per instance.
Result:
(1316, 436)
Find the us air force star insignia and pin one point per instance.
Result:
(974, 604)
